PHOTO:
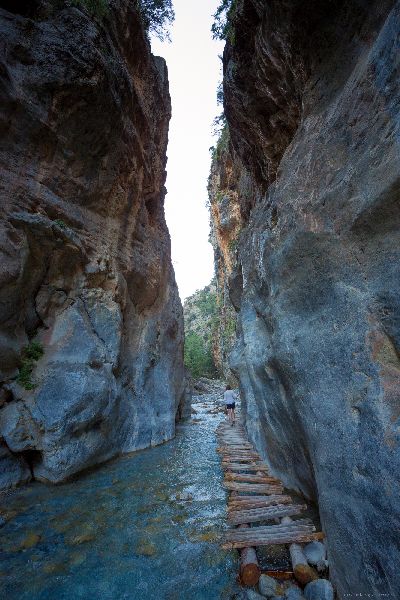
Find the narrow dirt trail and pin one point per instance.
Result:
(142, 527)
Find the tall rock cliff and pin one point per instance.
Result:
(91, 328)
(312, 101)
(226, 193)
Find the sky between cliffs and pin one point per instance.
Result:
(194, 72)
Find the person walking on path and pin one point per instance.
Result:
(229, 399)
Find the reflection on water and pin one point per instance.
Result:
(141, 527)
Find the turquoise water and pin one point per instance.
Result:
(142, 527)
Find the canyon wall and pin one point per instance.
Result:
(226, 221)
(91, 326)
(312, 101)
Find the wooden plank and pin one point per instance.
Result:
(250, 478)
(240, 459)
(253, 487)
(241, 453)
(298, 525)
(237, 448)
(227, 460)
(251, 498)
(240, 456)
(233, 448)
(241, 467)
(233, 440)
(301, 538)
(263, 503)
(264, 514)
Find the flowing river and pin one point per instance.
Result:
(142, 527)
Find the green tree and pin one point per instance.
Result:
(198, 357)
(157, 15)
(223, 28)
(96, 8)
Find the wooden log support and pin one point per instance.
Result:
(249, 569)
(301, 569)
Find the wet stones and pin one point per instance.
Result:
(321, 589)
(268, 586)
(315, 552)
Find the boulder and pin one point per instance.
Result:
(14, 470)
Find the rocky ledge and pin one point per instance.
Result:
(312, 103)
(91, 328)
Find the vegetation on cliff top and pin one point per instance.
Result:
(223, 26)
(156, 15)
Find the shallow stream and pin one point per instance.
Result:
(142, 527)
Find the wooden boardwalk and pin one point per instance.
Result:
(258, 509)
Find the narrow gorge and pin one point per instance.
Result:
(98, 357)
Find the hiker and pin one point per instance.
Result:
(229, 399)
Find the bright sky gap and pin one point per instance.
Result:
(194, 70)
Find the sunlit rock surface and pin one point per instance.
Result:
(312, 101)
(85, 251)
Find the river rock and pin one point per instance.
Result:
(267, 586)
(315, 552)
(252, 595)
(84, 248)
(320, 589)
(14, 470)
(310, 161)
(294, 593)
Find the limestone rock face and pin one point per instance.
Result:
(312, 101)
(85, 251)
(227, 194)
